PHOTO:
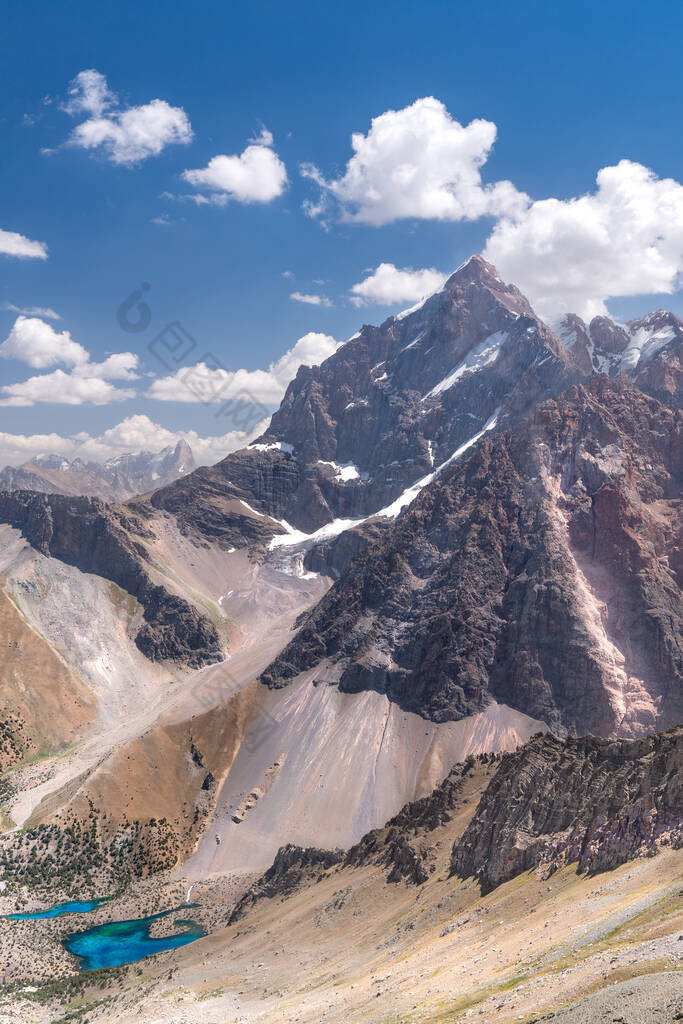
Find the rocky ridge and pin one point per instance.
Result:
(587, 801)
(603, 346)
(108, 540)
(550, 803)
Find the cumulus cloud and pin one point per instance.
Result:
(18, 448)
(203, 383)
(63, 388)
(135, 433)
(626, 238)
(256, 175)
(36, 343)
(14, 244)
(127, 135)
(89, 94)
(311, 300)
(417, 162)
(140, 433)
(388, 285)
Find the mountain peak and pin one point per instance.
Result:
(474, 269)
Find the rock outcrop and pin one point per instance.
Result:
(108, 540)
(396, 846)
(293, 867)
(543, 569)
(586, 801)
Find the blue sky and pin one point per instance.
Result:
(571, 89)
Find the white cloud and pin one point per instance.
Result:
(135, 433)
(36, 343)
(201, 383)
(626, 238)
(311, 300)
(18, 448)
(14, 244)
(417, 162)
(63, 388)
(89, 94)
(119, 366)
(126, 136)
(140, 433)
(255, 176)
(388, 285)
(44, 311)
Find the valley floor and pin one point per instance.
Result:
(353, 948)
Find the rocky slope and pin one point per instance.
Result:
(543, 568)
(115, 479)
(402, 846)
(108, 540)
(589, 801)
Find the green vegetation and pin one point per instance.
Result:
(80, 855)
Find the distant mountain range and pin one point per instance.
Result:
(116, 479)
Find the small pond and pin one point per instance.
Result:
(125, 942)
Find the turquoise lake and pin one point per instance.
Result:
(125, 942)
(75, 907)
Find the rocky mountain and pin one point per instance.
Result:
(497, 502)
(395, 402)
(355, 439)
(543, 569)
(586, 801)
(116, 479)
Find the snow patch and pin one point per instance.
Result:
(282, 446)
(326, 532)
(415, 340)
(345, 471)
(480, 355)
(392, 510)
(644, 346)
(261, 514)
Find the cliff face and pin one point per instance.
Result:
(589, 801)
(105, 539)
(543, 569)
